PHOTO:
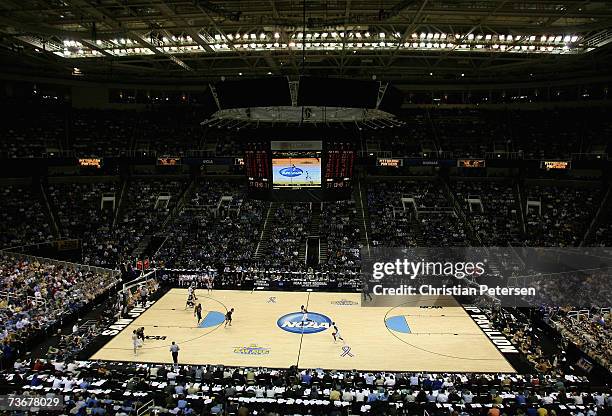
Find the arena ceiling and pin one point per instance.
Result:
(197, 40)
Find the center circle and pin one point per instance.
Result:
(291, 171)
(297, 323)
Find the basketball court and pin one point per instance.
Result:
(415, 334)
(305, 171)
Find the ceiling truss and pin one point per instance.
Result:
(394, 40)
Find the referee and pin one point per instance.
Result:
(174, 349)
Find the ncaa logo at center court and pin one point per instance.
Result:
(291, 172)
(293, 322)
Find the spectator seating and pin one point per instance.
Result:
(558, 133)
(566, 214)
(78, 207)
(102, 133)
(125, 388)
(114, 132)
(218, 225)
(591, 332)
(21, 138)
(603, 235)
(493, 210)
(23, 220)
(537, 134)
(147, 206)
(410, 213)
(38, 294)
(168, 132)
(288, 236)
(81, 215)
(468, 133)
(339, 233)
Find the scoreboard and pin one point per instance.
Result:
(257, 167)
(340, 164)
(327, 174)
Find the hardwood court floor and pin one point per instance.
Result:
(405, 337)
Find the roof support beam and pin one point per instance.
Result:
(170, 14)
(118, 26)
(409, 29)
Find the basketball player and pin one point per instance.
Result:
(304, 314)
(190, 302)
(228, 318)
(140, 333)
(191, 291)
(336, 333)
(135, 341)
(198, 312)
(209, 284)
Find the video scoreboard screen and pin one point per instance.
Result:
(296, 165)
(322, 170)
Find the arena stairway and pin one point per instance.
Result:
(322, 242)
(119, 207)
(419, 234)
(323, 248)
(142, 246)
(493, 265)
(360, 195)
(520, 196)
(264, 237)
(602, 213)
(51, 215)
(469, 227)
(182, 200)
(435, 142)
(516, 238)
(154, 245)
(310, 251)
